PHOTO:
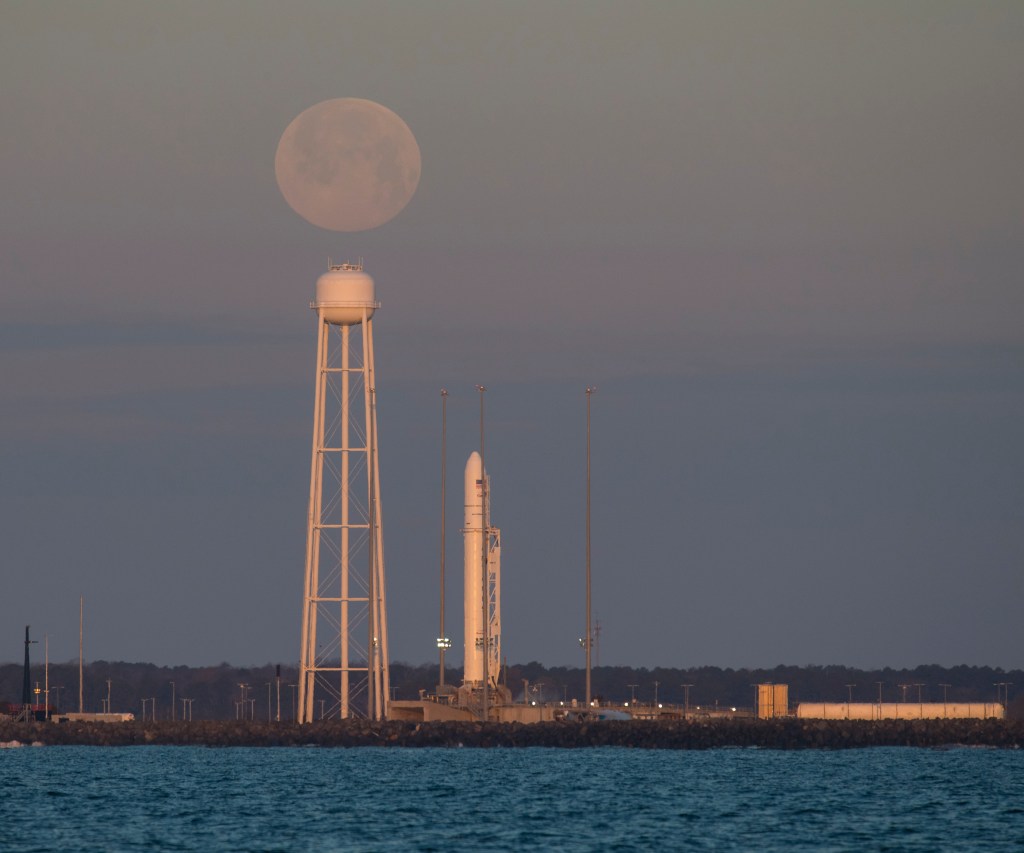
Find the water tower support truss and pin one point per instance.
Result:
(344, 656)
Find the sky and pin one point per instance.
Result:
(784, 240)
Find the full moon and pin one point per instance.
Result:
(347, 164)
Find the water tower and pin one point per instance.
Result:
(343, 668)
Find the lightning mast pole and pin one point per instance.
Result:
(442, 639)
(81, 627)
(589, 641)
(484, 539)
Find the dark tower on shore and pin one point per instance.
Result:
(26, 683)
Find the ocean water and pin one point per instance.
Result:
(199, 799)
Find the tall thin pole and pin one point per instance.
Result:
(81, 621)
(344, 681)
(441, 637)
(46, 675)
(485, 535)
(588, 642)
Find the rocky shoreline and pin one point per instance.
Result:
(690, 734)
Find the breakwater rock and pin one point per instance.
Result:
(679, 734)
(690, 734)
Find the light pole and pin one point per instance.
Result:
(686, 699)
(632, 695)
(172, 703)
(879, 683)
(656, 683)
(849, 698)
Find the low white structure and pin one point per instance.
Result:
(900, 710)
(84, 717)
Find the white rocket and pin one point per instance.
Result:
(477, 526)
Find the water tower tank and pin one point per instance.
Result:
(342, 294)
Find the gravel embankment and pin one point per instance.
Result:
(692, 734)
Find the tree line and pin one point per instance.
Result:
(224, 691)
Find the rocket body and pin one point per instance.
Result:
(473, 606)
(479, 605)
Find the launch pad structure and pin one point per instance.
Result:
(343, 668)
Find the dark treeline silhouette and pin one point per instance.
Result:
(216, 693)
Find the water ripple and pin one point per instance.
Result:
(88, 799)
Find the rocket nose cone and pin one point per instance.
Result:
(473, 481)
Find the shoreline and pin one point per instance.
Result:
(782, 734)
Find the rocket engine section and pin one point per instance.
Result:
(477, 534)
